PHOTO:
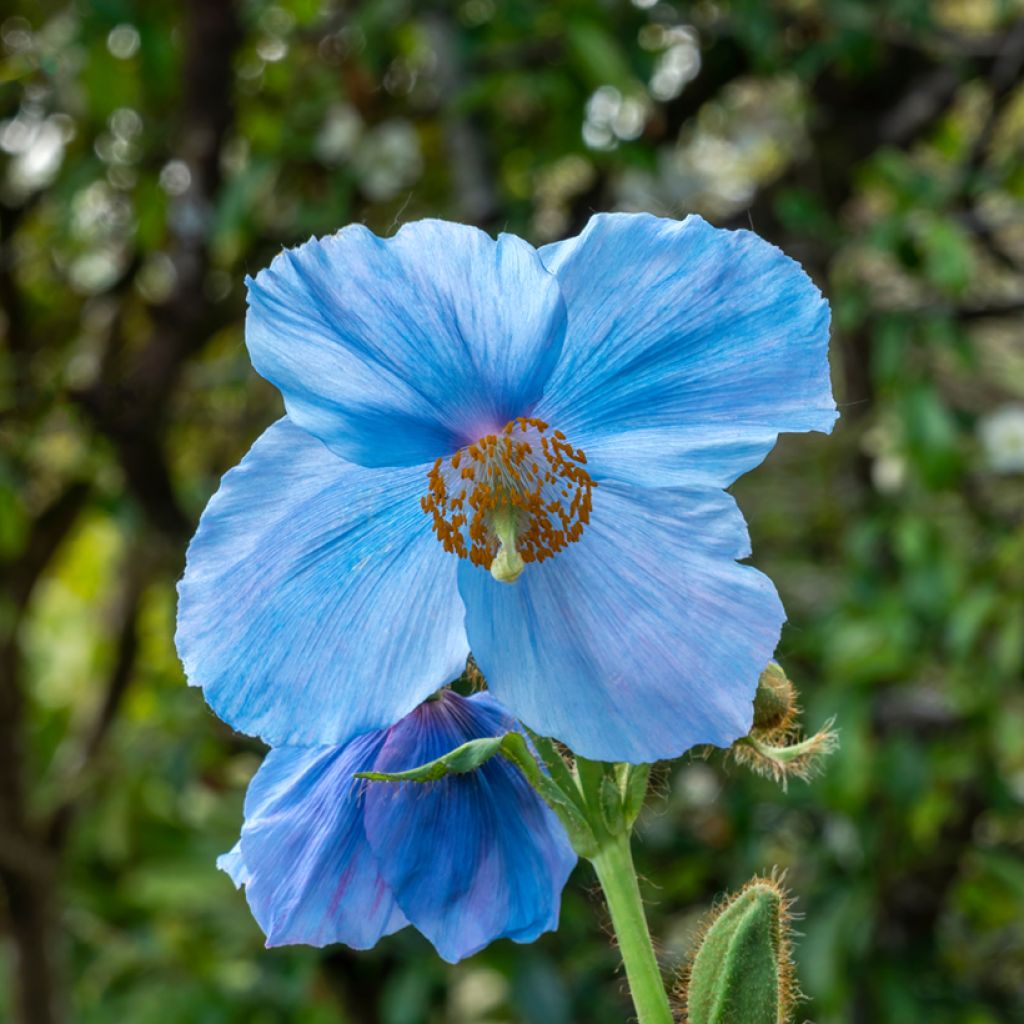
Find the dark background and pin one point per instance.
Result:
(153, 153)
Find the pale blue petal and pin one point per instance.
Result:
(689, 349)
(639, 641)
(309, 874)
(233, 866)
(317, 603)
(470, 858)
(394, 351)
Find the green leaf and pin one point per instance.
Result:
(466, 758)
(599, 55)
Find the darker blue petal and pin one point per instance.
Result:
(309, 874)
(470, 858)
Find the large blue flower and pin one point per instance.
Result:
(518, 452)
(466, 859)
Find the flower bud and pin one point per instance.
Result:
(775, 703)
(741, 972)
(774, 748)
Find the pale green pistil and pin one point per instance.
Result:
(507, 565)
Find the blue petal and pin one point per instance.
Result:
(232, 864)
(309, 874)
(639, 641)
(396, 351)
(470, 858)
(689, 349)
(316, 602)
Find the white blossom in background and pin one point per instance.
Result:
(100, 221)
(175, 177)
(388, 159)
(739, 142)
(339, 133)
(611, 118)
(36, 145)
(1002, 438)
(678, 64)
(554, 188)
(889, 473)
(385, 158)
(477, 995)
(123, 41)
(882, 443)
(156, 278)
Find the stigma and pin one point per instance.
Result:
(511, 498)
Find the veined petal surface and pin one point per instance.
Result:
(316, 603)
(470, 858)
(394, 351)
(309, 874)
(638, 642)
(688, 350)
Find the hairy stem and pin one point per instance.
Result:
(617, 875)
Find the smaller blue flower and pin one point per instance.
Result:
(466, 860)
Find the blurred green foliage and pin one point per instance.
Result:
(153, 153)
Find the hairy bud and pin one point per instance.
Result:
(774, 747)
(775, 704)
(741, 971)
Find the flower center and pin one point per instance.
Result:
(511, 498)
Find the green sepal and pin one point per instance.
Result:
(589, 773)
(635, 791)
(800, 758)
(557, 767)
(784, 755)
(613, 794)
(611, 805)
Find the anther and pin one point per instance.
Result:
(510, 498)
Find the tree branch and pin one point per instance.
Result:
(79, 777)
(130, 408)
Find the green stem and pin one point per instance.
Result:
(617, 875)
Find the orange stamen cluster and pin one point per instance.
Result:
(527, 471)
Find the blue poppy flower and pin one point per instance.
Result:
(466, 859)
(516, 451)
